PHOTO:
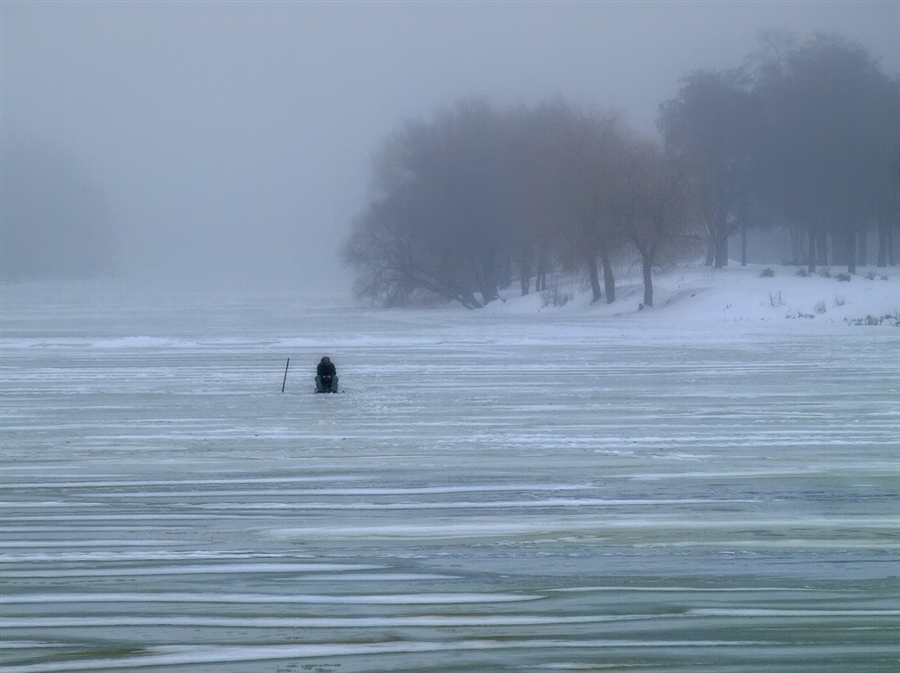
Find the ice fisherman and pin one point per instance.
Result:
(326, 376)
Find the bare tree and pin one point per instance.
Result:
(464, 202)
(535, 238)
(659, 208)
(437, 222)
(590, 185)
(398, 261)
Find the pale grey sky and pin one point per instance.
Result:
(233, 139)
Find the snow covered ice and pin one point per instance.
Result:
(709, 485)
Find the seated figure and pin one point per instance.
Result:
(326, 377)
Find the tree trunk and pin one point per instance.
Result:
(443, 288)
(743, 245)
(540, 283)
(851, 250)
(890, 246)
(648, 283)
(882, 244)
(721, 245)
(711, 250)
(524, 275)
(489, 293)
(812, 251)
(468, 300)
(505, 278)
(822, 246)
(796, 244)
(609, 281)
(595, 277)
(863, 246)
(486, 277)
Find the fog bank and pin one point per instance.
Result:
(231, 142)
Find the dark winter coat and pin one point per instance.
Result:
(325, 369)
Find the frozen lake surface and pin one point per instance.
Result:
(490, 493)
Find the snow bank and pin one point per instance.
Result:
(697, 294)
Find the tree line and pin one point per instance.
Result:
(804, 136)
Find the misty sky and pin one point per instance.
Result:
(233, 140)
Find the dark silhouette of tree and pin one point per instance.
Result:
(711, 123)
(440, 217)
(828, 121)
(889, 212)
(399, 262)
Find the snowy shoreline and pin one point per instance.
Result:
(697, 294)
(686, 295)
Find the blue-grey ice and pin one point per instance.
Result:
(492, 490)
